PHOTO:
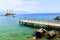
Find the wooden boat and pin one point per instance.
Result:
(9, 13)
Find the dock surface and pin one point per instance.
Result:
(41, 22)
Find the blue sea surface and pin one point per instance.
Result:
(11, 30)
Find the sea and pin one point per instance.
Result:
(10, 29)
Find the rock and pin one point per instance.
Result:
(57, 18)
(33, 38)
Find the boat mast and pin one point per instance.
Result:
(12, 11)
(7, 11)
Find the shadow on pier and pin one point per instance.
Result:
(36, 24)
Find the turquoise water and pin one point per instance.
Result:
(11, 30)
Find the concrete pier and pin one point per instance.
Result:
(39, 24)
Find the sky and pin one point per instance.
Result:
(32, 6)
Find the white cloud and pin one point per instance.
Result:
(31, 5)
(21, 5)
(9, 4)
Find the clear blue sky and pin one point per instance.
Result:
(33, 6)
